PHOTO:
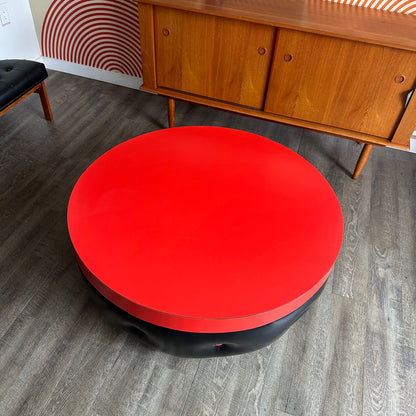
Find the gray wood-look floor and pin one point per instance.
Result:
(352, 353)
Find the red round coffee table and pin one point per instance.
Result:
(207, 240)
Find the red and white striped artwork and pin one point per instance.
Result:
(102, 34)
(397, 6)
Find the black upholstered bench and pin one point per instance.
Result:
(18, 79)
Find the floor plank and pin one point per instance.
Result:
(352, 353)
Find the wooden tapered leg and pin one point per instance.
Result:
(171, 112)
(362, 160)
(45, 101)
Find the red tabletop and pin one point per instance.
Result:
(205, 229)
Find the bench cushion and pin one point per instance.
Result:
(17, 77)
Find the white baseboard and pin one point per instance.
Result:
(93, 73)
(413, 143)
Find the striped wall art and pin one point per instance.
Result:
(397, 6)
(102, 34)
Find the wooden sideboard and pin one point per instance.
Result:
(342, 70)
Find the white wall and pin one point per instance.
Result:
(18, 38)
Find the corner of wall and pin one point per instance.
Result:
(413, 143)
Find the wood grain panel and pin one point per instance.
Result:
(346, 84)
(147, 44)
(224, 59)
(323, 17)
(335, 131)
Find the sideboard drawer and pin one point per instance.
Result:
(214, 57)
(338, 82)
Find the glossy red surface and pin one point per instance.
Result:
(205, 229)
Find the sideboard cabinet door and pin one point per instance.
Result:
(214, 57)
(342, 83)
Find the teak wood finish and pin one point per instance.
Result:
(223, 59)
(338, 69)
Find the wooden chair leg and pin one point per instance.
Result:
(45, 101)
(362, 160)
(171, 112)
